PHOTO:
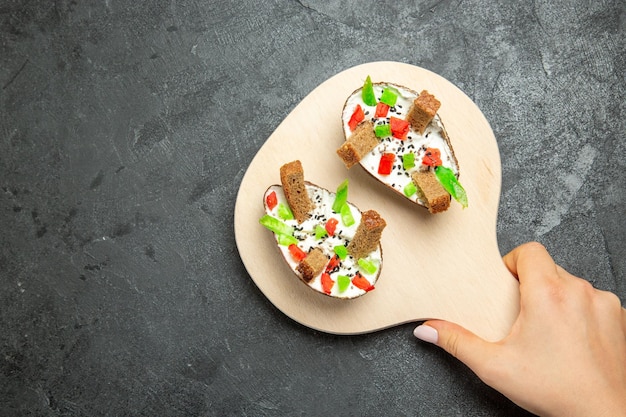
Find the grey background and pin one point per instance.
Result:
(126, 128)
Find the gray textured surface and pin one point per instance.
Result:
(125, 130)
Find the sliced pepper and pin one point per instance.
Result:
(451, 184)
(284, 212)
(276, 225)
(332, 264)
(382, 131)
(399, 127)
(341, 196)
(286, 240)
(367, 93)
(296, 253)
(341, 251)
(389, 96)
(327, 283)
(410, 189)
(320, 232)
(432, 157)
(367, 266)
(346, 215)
(331, 226)
(381, 110)
(357, 117)
(362, 283)
(271, 200)
(386, 163)
(408, 160)
(342, 282)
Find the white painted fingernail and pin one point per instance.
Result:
(426, 333)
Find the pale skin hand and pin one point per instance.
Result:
(566, 352)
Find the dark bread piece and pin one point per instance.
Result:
(292, 179)
(424, 108)
(312, 264)
(360, 142)
(431, 190)
(367, 236)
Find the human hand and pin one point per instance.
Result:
(566, 352)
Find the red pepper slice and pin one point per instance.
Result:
(381, 110)
(399, 128)
(296, 253)
(432, 157)
(386, 163)
(331, 226)
(356, 118)
(362, 283)
(334, 261)
(271, 201)
(327, 283)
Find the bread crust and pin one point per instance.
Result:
(368, 234)
(292, 180)
(423, 110)
(312, 265)
(430, 189)
(360, 142)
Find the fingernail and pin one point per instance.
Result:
(426, 333)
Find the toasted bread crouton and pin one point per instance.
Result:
(292, 179)
(424, 108)
(312, 264)
(430, 189)
(360, 142)
(367, 236)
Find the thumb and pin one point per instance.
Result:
(456, 340)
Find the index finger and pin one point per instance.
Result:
(530, 261)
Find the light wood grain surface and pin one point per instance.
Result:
(435, 266)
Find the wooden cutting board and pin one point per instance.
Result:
(445, 266)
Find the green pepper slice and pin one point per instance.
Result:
(320, 232)
(367, 93)
(382, 131)
(451, 184)
(341, 197)
(346, 215)
(389, 96)
(276, 226)
(341, 251)
(410, 189)
(342, 282)
(367, 266)
(284, 212)
(286, 240)
(408, 160)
